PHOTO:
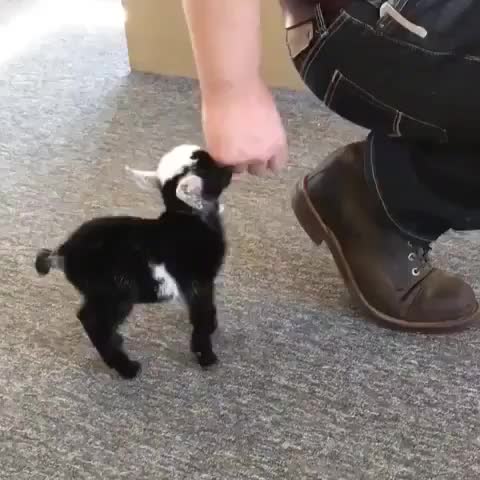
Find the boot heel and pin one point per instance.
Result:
(305, 215)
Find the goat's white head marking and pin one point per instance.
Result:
(175, 162)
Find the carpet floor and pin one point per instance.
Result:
(306, 388)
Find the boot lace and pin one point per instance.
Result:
(420, 257)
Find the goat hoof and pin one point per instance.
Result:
(206, 359)
(130, 370)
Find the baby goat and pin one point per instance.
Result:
(117, 262)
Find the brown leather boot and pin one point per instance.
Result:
(390, 276)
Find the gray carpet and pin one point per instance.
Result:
(306, 388)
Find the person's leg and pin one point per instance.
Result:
(380, 204)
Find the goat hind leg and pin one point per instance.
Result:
(100, 319)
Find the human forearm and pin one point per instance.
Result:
(241, 124)
(226, 42)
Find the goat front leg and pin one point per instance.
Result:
(203, 317)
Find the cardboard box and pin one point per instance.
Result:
(158, 41)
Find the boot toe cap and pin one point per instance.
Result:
(442, 297)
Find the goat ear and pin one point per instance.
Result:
(145, 179)
(189, 190)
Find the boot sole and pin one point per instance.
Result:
(315, 228)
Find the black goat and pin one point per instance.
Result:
(117, 262)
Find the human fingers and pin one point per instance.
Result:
(258, 168)
(239, 169)
(278, 161)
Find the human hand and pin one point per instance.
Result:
(243, 129)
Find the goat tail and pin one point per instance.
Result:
(46, 260)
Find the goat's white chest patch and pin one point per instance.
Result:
(167, 288)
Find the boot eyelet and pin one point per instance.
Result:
(415, 272)
(412, 256)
